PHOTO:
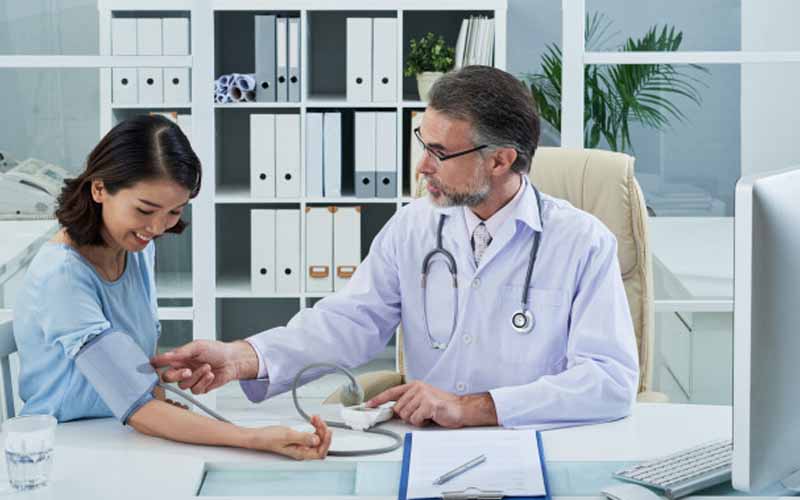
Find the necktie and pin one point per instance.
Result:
(480, 241)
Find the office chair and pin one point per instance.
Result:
(601, 183)
(8, 346)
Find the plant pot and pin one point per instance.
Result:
(425, 81)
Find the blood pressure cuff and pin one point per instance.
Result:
(119, 371)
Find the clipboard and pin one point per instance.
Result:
(469, 493)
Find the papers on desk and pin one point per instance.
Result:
(514, 464)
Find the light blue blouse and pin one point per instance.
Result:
(62, 304)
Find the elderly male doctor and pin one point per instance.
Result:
(474, 354)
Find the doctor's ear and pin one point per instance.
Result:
(503, 159)
(99, 192)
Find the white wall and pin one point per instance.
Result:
(770, 92)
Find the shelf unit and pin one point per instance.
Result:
(214, 292)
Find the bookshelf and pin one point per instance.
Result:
(203, 276)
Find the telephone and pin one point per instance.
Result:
(29, 190)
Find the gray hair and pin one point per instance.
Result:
(499, 107)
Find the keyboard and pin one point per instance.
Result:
(684, 472)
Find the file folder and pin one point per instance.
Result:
(386, 155)
(384, 60)
(332, 154)
(123, 36)
(148, 37)
(365, 154)
(265, 58)
(346, 244)
(175, 36)
(262, 156)
(262, 255)
(319, 249)
(287, 251)
(125, 88)
(472, 492)
(151, 86)
(281, 59)
(294, 59)
(314, 151)
(287, 156)
(359, 59)
(176, 86)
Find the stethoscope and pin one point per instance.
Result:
(522, 321)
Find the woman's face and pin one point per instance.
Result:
(134, 216)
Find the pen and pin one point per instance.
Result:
(460, 470)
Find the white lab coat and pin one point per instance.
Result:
(578, 365)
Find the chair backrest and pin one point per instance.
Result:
(602, 183)
(8, 346)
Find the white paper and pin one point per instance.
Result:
(512, 464)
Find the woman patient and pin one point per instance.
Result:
(96, 278)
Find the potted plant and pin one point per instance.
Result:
(617, 96)
(428, 59)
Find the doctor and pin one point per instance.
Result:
(537, 329)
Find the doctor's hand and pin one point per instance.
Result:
(204, 365)
(292, 443)
(419, 404)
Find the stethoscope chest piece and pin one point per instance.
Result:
(523, 321)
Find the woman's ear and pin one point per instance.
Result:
(99, 192)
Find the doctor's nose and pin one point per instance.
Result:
(426, 165)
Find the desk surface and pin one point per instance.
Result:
(101, 459)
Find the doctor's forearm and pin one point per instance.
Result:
(478, 410)
(160, 419)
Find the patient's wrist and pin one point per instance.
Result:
(245, 360)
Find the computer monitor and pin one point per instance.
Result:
(766, 341)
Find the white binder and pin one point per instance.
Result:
(314, 179)
(319, 249)
(151, 85)
(287, 251)
(346, 244)
(294, 59)
(123, 36)
(359, 59)
(265, 27)
(281, 59)
(365, 154)
(262, 253)
(175, 36)
(185, 124)
(384, 60)
(262, 156)
(176, 86)
(386, 154)
(125, 89)
(287, 156)
(148, 37)
(332, 157)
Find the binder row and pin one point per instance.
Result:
(475, 43)
(150, 37)
(376, 154)
(277, 53)
(324, 154)
(275, 156)
(371, 59)
(333, 249)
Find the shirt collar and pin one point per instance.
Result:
(513, 208)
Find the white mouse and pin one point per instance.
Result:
(629, 491)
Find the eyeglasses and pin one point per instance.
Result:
(439, 157)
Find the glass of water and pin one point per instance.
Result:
(29, 450)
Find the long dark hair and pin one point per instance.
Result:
(145, 147)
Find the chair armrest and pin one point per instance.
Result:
(373, 384)
(652, 397)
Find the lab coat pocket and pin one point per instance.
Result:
(538, 351)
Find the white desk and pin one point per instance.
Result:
(100, 459)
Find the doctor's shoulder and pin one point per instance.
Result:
(571, 222)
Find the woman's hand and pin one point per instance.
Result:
(298, 445)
